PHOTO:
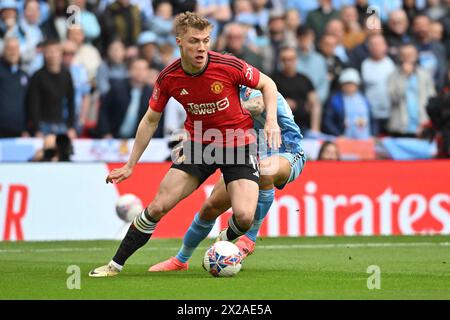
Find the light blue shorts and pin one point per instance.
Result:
(297, 161)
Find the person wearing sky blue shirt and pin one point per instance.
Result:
(88, 20)
(303, 6)
(218, 12)
(410, 88)
(278, 168)
(311, 63)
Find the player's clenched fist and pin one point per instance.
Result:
(118, 175)
(272, 134)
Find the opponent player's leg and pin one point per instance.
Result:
(217, 203)
(175, 186)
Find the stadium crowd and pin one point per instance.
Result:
(348, 68)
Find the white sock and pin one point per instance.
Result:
(115, 265)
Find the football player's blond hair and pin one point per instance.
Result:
(188, 19)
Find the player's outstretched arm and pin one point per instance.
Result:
(146, 129)
(272, 131)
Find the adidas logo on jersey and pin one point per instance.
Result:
(183, 92)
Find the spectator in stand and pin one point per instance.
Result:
(88, 20)
(278, 36)
(245, 15)
(311, 63)
(353, 32)
(82, 87)
(360, 53)
(29, 22)
(86, 54)
(432, 55)
(232, 40)
(253, 40)
(262, 13)
(438, 110)
(44, 9)
(9, 24)
(162, 23)
(436, 9)
(319, 18)
(145, 7)
(293, 21)
(167, 54)
(218, 12)
(299, 92)
(396, 33)
(148, 49)
(375, 72)
(242, 7)
(56, 148)
(304, 7)
(410, 88)
(121, 20)
(336, 28)
(411, 9)
(13, 86)
(50, 93)
(180, 6)
(55, 27)
(125, 104)
(329, 151)
(446, 23)
(33, 34)
(113, 68)
(327, 47)
(347, 114)
(361, 7)
(436, 31)
(385, 7)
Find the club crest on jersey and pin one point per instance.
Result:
(217, 87)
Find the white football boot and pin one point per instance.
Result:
(104, 271)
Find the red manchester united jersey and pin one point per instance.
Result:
(210, 98)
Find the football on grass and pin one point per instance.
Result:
(222, 259)
(128, 206)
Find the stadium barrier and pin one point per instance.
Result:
(113, 150)
(51, 201)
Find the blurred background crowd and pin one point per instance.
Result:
(348, 68)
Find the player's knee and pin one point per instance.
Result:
(209, 211)
(244, 221)
(266, 182)
(156, 210)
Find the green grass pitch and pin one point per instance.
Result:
(281, 268)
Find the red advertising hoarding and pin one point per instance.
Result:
(329, 198)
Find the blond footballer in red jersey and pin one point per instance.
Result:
(206, 83)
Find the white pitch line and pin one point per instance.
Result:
(263, 247)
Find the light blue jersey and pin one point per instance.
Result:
(290, 149)
(291, 134)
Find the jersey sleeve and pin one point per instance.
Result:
(159, 97)
(247, 93)
(246, 75)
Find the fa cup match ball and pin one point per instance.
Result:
(128, 206)
(222, 259)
